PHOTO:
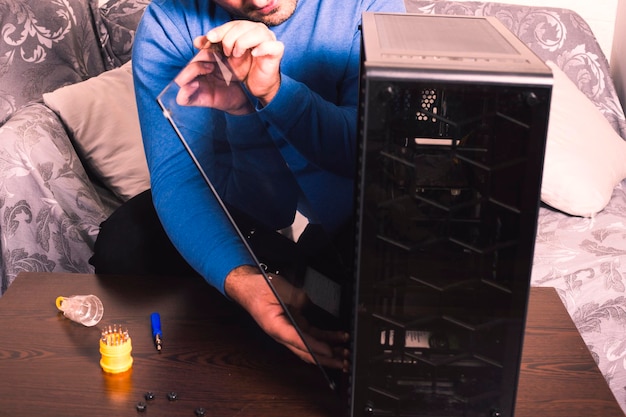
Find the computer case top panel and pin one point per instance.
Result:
(473, 46)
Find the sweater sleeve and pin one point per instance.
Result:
(191, 216)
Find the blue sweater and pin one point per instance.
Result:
(310, 124)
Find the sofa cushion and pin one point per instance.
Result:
(45, 45)
(101, 116)
(51, 211)
(120, 19)
(585, 157)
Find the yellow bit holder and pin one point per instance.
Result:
(115, 348)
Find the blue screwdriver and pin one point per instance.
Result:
(155, 319)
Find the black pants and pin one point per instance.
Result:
(133, 242)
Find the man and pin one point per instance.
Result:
(299, 64)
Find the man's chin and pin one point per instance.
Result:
(274, 17)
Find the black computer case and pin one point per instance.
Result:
(452, 127)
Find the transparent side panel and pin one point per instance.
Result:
(243, 166)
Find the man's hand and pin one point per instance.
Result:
(253, 53)
(207, 82)
(248, 287)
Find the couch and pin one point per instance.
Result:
(70, 150)
(52, 202)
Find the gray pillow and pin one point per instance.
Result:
(100, 115)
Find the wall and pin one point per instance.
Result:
(618, 57)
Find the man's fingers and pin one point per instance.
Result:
(323, 354)
(288, 336)
(200, 42)
(271, 49)
(239, 36)
(333, 337)
(193, 70)
(268, 56)
(186, 93)
(216, 35)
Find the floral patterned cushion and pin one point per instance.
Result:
(51, 207)
(45, 45)
(51, 210)
(554, 34)
(120, 18)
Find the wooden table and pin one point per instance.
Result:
(214, 357)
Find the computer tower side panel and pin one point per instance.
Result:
(449, 188)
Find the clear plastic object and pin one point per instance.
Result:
(84, 309)
(243, 173)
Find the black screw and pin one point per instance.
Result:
(141, 406)
(172, 396)
(149, 396)
(200, 412)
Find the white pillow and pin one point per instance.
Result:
(585, 158)
(101, 116)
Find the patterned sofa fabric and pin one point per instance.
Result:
(51, 210)
(44, 45)
(120, 19)
(554, 34)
